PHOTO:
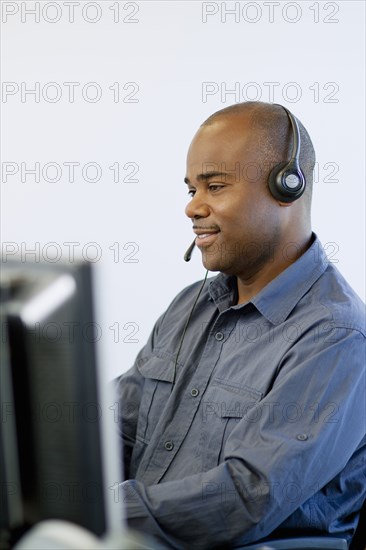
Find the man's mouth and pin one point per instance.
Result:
(205, 236)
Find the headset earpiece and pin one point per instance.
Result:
(286, 180)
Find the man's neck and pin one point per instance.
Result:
(249, 287)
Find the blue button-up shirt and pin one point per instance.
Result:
(263, 431)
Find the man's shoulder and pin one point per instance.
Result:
(340, 303)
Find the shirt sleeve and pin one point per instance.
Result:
(274, 459)
(128, 391)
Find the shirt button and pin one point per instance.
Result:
(219, 336)
(302, 437)
(195, 392)
(168, 445)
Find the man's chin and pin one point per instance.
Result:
(212, 263)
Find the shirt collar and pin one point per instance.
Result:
(279, 297)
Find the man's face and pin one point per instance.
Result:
(234, 216)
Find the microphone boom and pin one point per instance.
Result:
(188, 254)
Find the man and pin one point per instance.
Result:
(243, 417)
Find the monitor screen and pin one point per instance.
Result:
(58, 448)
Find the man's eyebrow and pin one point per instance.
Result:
(209, 175)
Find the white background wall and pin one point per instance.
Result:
(306, 55)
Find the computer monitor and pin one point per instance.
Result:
(58, 442)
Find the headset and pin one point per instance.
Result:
(286, 180)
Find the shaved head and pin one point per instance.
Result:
(271, 136)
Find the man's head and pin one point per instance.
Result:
(228, 164)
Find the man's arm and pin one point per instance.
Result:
(128, 392)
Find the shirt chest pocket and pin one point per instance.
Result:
(158, 372)
(224, 406)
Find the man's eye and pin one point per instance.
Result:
(191, 192)
(215, 187)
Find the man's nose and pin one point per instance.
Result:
(197, 207)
